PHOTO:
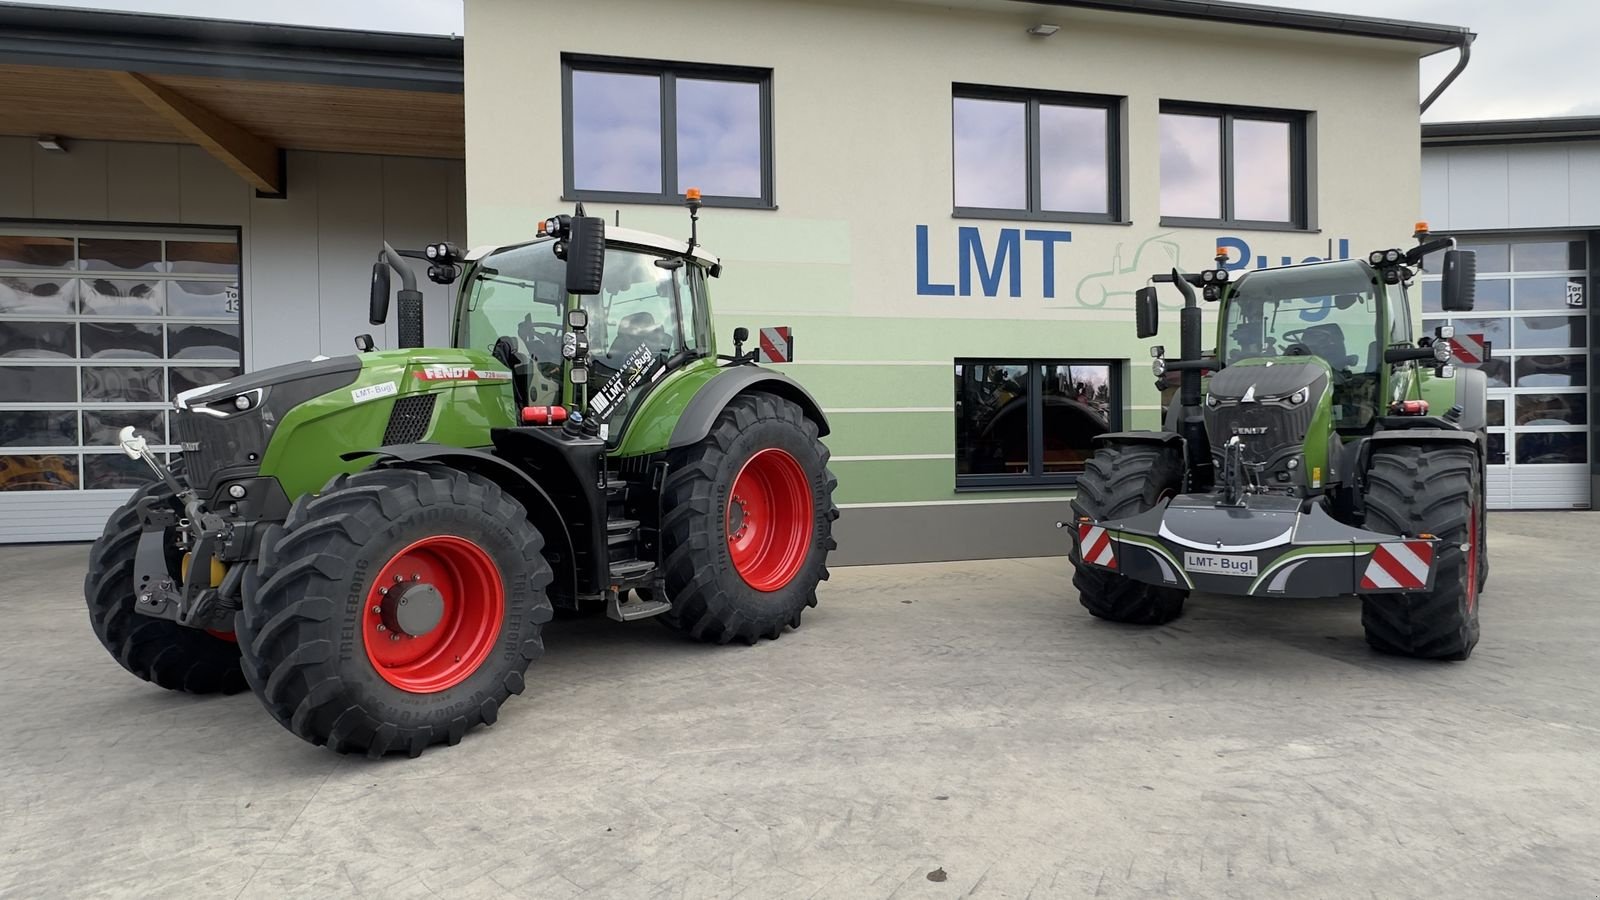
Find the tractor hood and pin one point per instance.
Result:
(1269, 380)
(1268, 404)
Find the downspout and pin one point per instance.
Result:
(1465, 48)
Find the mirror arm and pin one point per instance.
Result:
(408, 280)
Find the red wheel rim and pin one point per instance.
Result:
(1472, 561)
(769, 519)
(457, 579)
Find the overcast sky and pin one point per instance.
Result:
(1532, 58)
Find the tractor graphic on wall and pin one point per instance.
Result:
(1158, 253)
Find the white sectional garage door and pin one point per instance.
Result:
(99, 328)
(1533, 306)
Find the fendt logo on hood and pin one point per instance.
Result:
(1250, 429)
(438, 372)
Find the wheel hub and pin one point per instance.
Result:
(413, 609)
(737, 513)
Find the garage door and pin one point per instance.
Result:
(99, 329)
(1532, 309)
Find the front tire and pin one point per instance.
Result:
(1413, 490)
(157, 650)
(748, 523)
(334, 645)
(1119, 481)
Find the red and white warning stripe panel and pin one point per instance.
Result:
(1399, 566)
(1469, 349)
(1095, 546)
(777, 345)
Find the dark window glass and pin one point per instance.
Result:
(991, 153)
(123, 384)
(1552, 409)
(119, 255)
(38, 428)
(121, 340)
(105, 471)
(1547, 256)
(1497, 413)
(1074, 160)
(219, 342)
(38, 296)
(1191, 166)
(1538, 332)
(1547, 448)
(203, 257)
(1261, 170)
(56, 472)
(1497, 449)
(1491, 257)
(38, 384)
(119, 297)
(1497, 369)
(100, 427)
(1077, 407)
(1561, 293)
(25, 252)
(38, 340)
(719, 137)
(1556, 370)
(1494, 295)
(616, 132)
(186, 378)
(991, 419)
(203, 299)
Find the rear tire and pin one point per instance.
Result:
(319, 649)
(157, 650)
(1120, 481)
(748, 523)
(1436, 490)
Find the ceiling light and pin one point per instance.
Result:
(1043, 30)
(52, 143)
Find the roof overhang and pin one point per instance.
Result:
(1509, 131)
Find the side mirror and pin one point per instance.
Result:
(378, 306)
(586, 255)
(1458, 288)
(741, 334)
(1146, 315)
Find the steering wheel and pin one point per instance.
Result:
(1294, 343)
(543, 338)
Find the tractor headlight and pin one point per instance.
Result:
(1222, 275)
(1299, 396)
(432, 251)
(1212, 401)
(1208, 276)
(241, 402)
(1158, 367)
(236, 491)
(1375, 257)
(1441, 351)
(1392, 256)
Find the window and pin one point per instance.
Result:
(1027, 422)
(99, 330)
(644, 132)
(1033, 155)
(1225, 166)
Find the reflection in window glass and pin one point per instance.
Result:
(1491, 257)
(38, 384)
(1552, 409)
(1548, 256)
(1497, 449)
(1555, 370)
(719, 137)
(121, 340)
(203, 299)
(38, 296)
(1497, 413)
(1552, 447)
(1191, 166)
(56, 472)
(38, 340)
(119, 255)
(1077, 407)
(219, 342)
(25, 252)
(991, 168)
(1539, 332)
(100, 427)
(119, 297)
(991, 419)
(1497, 369)
(106, 471)
(1551, 293)
(1261, 170)
(38, 428)
(187, 378)
(616, 132)
(203, 258)
(123, 384)
(1074, 173)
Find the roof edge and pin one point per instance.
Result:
(1501, 131)
(1249, 14)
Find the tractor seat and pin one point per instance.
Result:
(1327, 341)
(638, 329)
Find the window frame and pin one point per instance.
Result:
(1036, 477)
(667, 74)
(1115, 108)
(1301, 168)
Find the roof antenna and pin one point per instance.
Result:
(692, 198)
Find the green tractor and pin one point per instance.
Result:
(373, 543)
(1319, 451)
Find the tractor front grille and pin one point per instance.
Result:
(211, 444)
(410, 419)
(1263, 428)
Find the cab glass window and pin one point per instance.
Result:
(520, 293)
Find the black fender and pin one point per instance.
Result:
(1472, 395)
(701, 413)
(542, 510)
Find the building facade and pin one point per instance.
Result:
(952, 203)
